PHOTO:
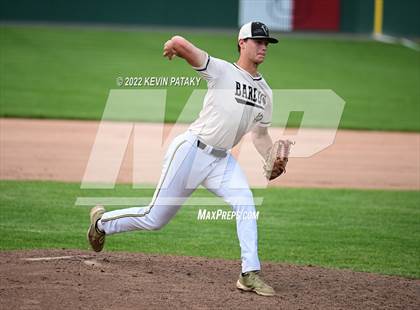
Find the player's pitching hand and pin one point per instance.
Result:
(168, 50)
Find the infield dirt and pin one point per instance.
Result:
(59, 150)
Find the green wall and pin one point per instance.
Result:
(215, 13)
(402, 17)
(356, 16)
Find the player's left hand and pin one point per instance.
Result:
(276, 159)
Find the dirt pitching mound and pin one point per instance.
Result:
(68, 279)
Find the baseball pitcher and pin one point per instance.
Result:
(238, 100)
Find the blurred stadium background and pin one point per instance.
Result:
(391, 17)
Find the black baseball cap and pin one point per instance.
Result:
(255, 30)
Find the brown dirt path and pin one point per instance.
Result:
(83, 280)
(59, 150)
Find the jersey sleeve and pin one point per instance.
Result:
(268, 113)
(211, 69)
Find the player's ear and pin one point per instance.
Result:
(241, 44)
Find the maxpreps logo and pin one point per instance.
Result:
(249, 95)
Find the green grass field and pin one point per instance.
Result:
(375, 231)
(53, 72)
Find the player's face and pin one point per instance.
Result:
(257, 49)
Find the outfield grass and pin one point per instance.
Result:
(375, 231)
(52, 72)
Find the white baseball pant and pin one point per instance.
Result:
(185, 167)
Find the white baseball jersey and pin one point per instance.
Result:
(235, 102)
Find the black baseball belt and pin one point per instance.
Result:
(214, 151)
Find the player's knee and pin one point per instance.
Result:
(242, 197)
(157, 224)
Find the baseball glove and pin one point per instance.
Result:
(276, 159)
